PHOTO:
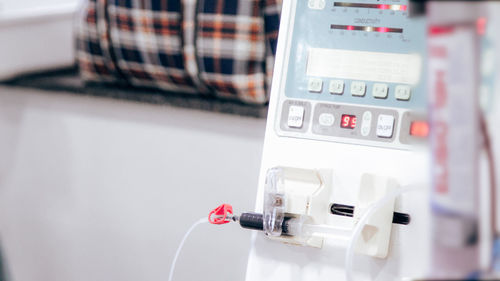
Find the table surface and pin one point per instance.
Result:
(67, 80)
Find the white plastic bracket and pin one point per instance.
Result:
(376, 234)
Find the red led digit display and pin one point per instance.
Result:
(348, 121)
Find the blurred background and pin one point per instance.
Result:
(101, 182)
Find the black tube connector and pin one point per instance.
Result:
(252, 221)
(348, 211)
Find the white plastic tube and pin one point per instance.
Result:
(179, 249)
(364, 219)
(325, 231)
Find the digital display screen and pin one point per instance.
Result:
(362, 65)
(348, 121)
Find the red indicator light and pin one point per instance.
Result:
(384, 7)
(382, 29)
(348, 121)
(350, 27)
(403, 8)
(419, 129)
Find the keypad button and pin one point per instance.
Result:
(403, 92)
(419, 129)
(296, 116)
(385, 126)
(315, 85)
(380, 91)
(336, 87)
(358, 89)
(326, 119)
(366, 124)
(316, 4)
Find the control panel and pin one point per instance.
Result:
(354, 74)
(347, 126)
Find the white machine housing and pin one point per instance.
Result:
(295, 139)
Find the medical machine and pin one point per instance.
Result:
(347, 126)
(354, 182)
(378, 161)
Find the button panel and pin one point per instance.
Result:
(362, 87)
(359, 92)
(354, 122)
(335, 122)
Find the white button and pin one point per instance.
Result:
(326, 119)
(358, 89)
(385, 126)
(316, 4)
(295, 116)
(315, 85)
(367, 123)
(403, 92)
(380, 90)
(337, 87)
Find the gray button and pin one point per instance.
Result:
(326, 119)
(403, 92)
(358, 89)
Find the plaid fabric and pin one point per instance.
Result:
(219, 47)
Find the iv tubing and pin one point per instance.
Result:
(172, 267)
(349, 255)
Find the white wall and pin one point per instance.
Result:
(22, 5)
(97, 189)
